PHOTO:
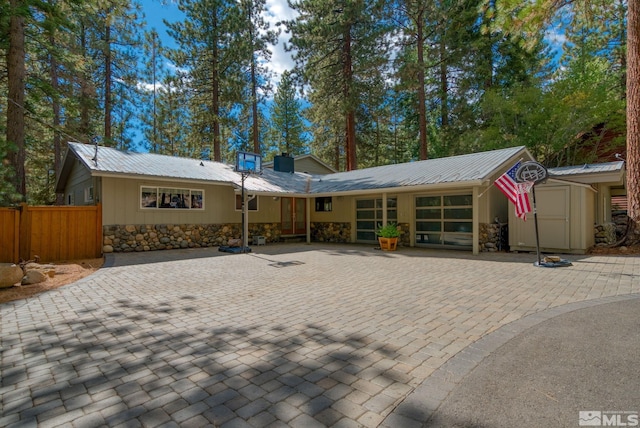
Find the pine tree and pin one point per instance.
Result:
(287, 130)
(211, 49)
(341, 52)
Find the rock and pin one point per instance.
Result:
(34, 277)
(10, 274)
(107, 249)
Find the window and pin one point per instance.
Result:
(70, 199)
(251, 203)
(324, 204)
(88, 194)
(171, 198)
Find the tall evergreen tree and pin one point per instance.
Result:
(259, 37)
(340, 46)
(287, 129)
(211, 49)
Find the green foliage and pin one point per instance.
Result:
(287, 128)
(390, 230)
(490, 80)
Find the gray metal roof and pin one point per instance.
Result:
(113, 161)
(454, 169)
(457, 169)
(593, 168)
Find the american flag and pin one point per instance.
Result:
(517, 193)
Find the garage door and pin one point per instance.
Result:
(369, 217)
(444, 221)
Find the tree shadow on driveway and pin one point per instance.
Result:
(132, 363)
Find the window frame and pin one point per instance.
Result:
(153, 192)
(325, 203)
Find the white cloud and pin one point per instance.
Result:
(277, 11)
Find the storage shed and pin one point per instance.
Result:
(570, 205)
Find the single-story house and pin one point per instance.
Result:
(152, 201)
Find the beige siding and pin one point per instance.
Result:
(121, 202)
(310, 166)
(79, 180)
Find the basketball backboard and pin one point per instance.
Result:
(248, 162)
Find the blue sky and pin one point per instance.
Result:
(157, 10)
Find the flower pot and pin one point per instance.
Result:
(388, 244)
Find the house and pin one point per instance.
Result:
(152, 202)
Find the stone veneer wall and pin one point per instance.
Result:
(127, 238)
(331, 232)
(610, 233)
(405, 237)
(489, 240)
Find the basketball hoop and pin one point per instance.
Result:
(531, 172)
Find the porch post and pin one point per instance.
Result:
(475, 223)
(384, 210)
(308, 219)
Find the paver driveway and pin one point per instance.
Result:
(290, 335)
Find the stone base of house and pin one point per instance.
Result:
(493, 237)
(331, 232)
(128, 238)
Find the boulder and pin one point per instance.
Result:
(10, 274)
(34, 277)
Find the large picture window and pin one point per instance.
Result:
(171, 198)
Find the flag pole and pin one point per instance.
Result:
(535, 220)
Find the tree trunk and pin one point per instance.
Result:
(57, 143)
(107, 83)
(350, 119)
(633, 117)
(422, 97)
(254, 108)
(16, 153)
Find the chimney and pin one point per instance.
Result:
(283, 163)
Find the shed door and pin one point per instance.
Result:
(553, 205)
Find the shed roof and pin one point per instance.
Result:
(608, 172)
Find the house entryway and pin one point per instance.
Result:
(294, 216)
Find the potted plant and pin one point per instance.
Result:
(388, 237)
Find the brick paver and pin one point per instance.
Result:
(290, 335)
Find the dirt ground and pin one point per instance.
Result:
(66, 272)
(71, 271)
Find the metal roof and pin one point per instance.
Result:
(593, 168)
(457, 169)
(108, 160)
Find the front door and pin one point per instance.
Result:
(294, 219)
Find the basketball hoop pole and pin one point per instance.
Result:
(535, 221)
(245, 222)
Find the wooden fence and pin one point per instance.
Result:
(54, 233)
